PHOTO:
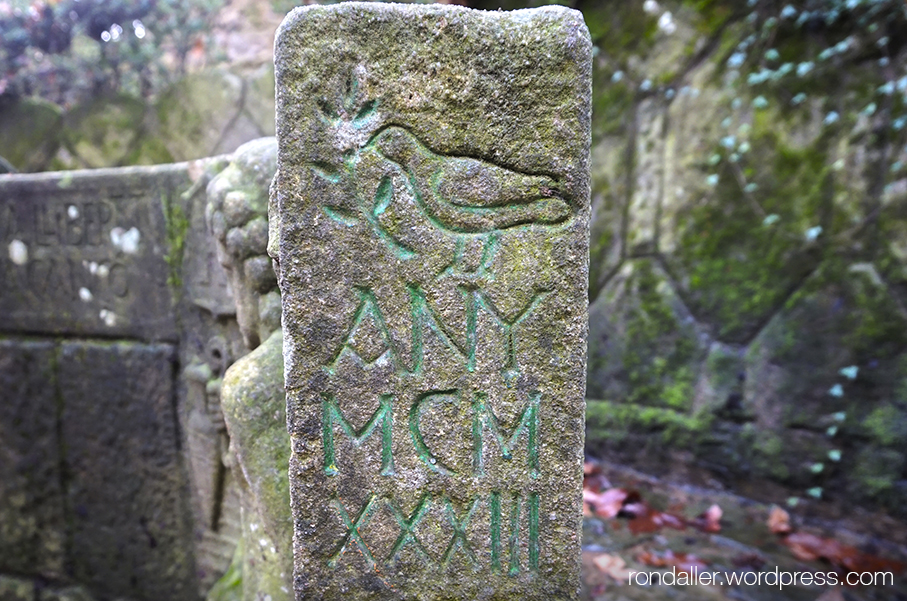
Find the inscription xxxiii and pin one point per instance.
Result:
(504, 551)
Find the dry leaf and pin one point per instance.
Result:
(709, 520)
(605, 504)
(649, 520)
(809, 547)
(778, 520)
(614, 566)
(684, 562)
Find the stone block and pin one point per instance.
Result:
(131, 524)
(86, 252)
(32, 521)
(432, 224)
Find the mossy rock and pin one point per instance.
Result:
(642, 347)
(877, 472)
(103, 131)
(16, 589)
(735, 264)
(195, 113)
(30, 130)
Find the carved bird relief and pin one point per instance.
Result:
(463, 196)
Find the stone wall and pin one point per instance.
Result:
(117, 326)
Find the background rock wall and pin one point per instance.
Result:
(748, 285)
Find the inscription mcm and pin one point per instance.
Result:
(484, 420)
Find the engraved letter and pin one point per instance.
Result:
(484, 418)
(353, 533)
(406, 529)
(421, 448)
(332, 415)
(459, 526)
(424, 316)
(476, 299)
(368, 307)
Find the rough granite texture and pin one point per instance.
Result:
(431, 215)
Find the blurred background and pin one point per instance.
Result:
(748, 278)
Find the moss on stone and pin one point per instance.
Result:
(877, 470)
(612, 421)
(654, 373)
(887, 425)
(621, 29)
(740, 270)
(612, 103)
(177, 229)
(711, 15)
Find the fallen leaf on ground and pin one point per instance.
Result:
(809, 547)
(593, 479)
(778, 520)
(646, 519)
(614, 566)
(684, 562)
(597, 582)
(709, 520)
(605, 504)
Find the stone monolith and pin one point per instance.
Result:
(430, 224)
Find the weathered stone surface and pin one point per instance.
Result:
(255, 412)
(32, 521)
(432, 205)
(253, 399)
(87, 252)
(131, 525)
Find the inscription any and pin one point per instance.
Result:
(424, 317)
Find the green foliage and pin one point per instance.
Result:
(68, 50)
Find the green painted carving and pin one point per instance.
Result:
(383, 415)
(353, 528)
(485, 419)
